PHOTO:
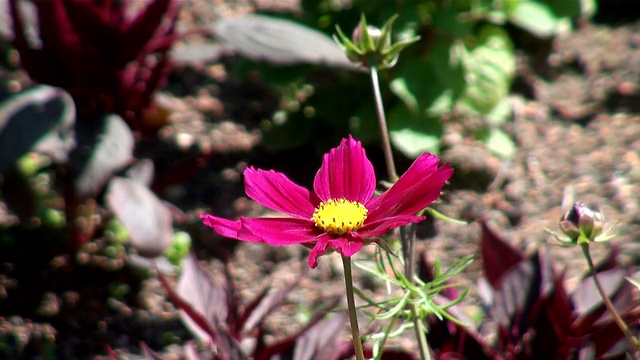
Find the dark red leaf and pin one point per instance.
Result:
(517, 290)
(267, 305)
(322, 340)
(586, 297)
(497, 254)
(227, 348)
(56, 30)
(264, 352)
(546, 337)
(446, 337)
(148, 353)
(94, 27)
(197, 288)
(190, 352)
(146, 25)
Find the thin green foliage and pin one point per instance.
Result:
(424, 295)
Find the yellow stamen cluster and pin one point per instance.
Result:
(338, 216)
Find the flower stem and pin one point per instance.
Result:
(407, 232)
(353, 317)
(382, 123)
(421, 335)
(624, 327)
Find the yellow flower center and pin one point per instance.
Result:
(338, 216)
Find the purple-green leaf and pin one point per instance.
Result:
(199, 289)
(105, 145)
(278, 41)
(38, 119)
(146, 218)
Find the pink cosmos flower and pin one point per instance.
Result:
(342, 212)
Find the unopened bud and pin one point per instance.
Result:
(582, 225)
(374, 33)
(371, 46)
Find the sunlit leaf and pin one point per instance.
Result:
(105, 145)
(146, 218)
(412, 135)
(278, 41)
(498, 142)
(322, 340)
(197, 287)
(537, 18)
(142, 172)
(489, 68)
(38, 119)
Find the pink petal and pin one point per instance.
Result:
(345, 173)
(382, 226)
(275, 191)
(318, 250)
(279, 231)
(415, 190)
(348, 245)
(226, 228)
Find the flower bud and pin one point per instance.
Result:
(583, 225)
(373, 32)
(371, 46)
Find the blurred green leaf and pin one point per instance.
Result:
(537, 18)
(500, 113)
(179, 248)
(498, 142)
(490, 67)
(413, 135)
(572, 8)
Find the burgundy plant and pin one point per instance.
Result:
(109, 56)
(342, 212)
(535, 316)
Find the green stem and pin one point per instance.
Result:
(607, 302)
(382, 123)
(407, 233)
(421, 334)
(353, 317)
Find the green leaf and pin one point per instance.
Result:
(413, 135)
(490, 68)
(572, 8)
(401, 89)
(500, 113)
(499, 143)
(537, 18)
